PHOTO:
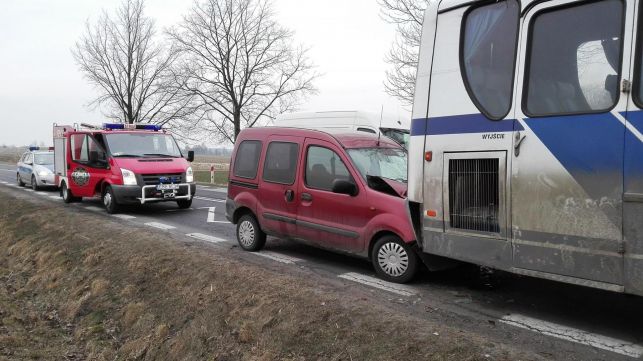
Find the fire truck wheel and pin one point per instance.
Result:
(34, 183)
(65, 193)
(249, 235)
(184, 203)
(20, 182)
(109, 201)
(394, 260)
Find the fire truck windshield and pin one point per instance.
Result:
(142, 145)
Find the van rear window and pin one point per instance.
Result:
(246, 160)
(280, 165)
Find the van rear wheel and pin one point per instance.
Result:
(394, 260)
(249, 234)
(65, 193)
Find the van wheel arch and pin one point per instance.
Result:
(376, 237)
(240, 212)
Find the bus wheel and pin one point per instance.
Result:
(109, 201)
(394, 260)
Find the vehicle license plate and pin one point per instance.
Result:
(165, 187)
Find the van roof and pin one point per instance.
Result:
(386, 121)
(345, 139)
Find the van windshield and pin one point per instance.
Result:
(401, 136)
(382, 162)
(142, 145)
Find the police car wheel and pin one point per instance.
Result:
(184, 203)
(34, 183)
(249, 235)
(394, 260)
(19, 180)
(109, 201)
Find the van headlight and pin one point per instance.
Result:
(129, 178)
(189, 175)
(44, 173)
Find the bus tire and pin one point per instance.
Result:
(394, 260)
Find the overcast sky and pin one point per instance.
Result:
(40, 83)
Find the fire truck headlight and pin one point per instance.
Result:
(129, 178)
(189, 175)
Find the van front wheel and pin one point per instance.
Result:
(249, 234)
(394, 260)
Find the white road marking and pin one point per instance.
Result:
(7, 170)
(378, 283)
(211, 215)
(94, 208)
(42, 193)
(179, 210)
(3, 182)
(159, 225)
(277, 257)
(210, 199)
(218, 190)
(55, 197)
(574, 335)
(123, 216)
(205, 237)
(27, 189)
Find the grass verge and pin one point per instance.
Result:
(82, 287)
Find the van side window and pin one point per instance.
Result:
(574, 59)
(637, 93)
(246, 160)
(323, 166)
(280, 165)
(487, 56)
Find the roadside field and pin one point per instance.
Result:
(211, 159)
(79, 286)
(220, 177)
(11, 154)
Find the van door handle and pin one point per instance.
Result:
(290, 195)
(306, 197)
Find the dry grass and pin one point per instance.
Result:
(82, 287)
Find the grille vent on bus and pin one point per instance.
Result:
(473, 194)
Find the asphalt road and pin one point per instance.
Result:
(555, 320)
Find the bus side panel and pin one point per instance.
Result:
(633, 205)
(420, 104)
(454, 127)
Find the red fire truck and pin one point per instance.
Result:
(122, 164)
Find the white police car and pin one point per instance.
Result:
(36, 168)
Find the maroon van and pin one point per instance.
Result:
(338, 191)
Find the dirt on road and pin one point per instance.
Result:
(76, 286)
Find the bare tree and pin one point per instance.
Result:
(119, 54)
(407, 15)
(240, 66)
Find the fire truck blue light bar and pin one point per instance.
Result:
(121, 126)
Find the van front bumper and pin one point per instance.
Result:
(148, 194)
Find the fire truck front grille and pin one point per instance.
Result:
(154, 179)
(473, 194)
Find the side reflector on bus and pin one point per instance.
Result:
(428, 156)
(431, 213)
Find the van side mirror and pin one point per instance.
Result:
(343, 186)
(190, 157)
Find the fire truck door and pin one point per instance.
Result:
(87, 167)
